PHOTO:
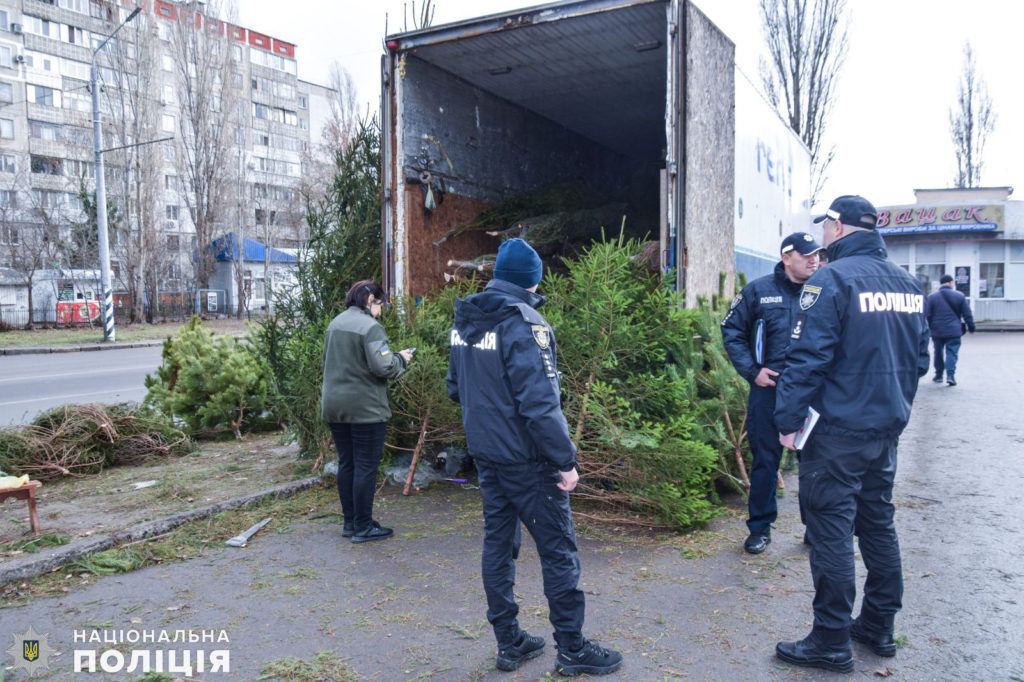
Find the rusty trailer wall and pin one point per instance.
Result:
(477, 112)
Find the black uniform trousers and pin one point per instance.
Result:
(528, 493)
(846, 490)
(766, 453)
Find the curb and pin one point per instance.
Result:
(33, 565)
(32, 350)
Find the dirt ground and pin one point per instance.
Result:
(124, 496)
(680, 607)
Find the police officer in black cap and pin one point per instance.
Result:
(502, 370)
(756, 333)
(860, 345)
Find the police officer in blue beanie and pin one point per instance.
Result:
(502, 370)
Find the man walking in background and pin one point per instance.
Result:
(756, 333)
(949, 314)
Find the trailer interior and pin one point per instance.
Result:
(494, 107)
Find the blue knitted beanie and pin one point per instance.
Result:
(518, 263)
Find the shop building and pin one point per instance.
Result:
(976, 235)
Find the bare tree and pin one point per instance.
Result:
(30, 225)
(26, 246)
(970, 122)
(134, 102)
(201, 50)
(807, 45)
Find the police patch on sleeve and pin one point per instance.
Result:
(809, 296)
(736, 301)
(541, 335)
(384, 351)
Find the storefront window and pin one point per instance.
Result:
(990, 282)
(928, 275)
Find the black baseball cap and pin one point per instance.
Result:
(801, 242)
(851, 209)
(945, 279)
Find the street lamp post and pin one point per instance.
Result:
(101, 190)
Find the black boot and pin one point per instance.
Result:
(827, 649)
(881, 643)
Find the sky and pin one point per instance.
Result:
(890, 123)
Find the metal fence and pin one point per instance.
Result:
(173, 306)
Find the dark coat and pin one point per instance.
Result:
(761, 316)
(944, 309)
(859, 346)
(502, 370)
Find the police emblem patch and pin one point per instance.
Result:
(541, 335)
(736, 301)
(809, 296)
(31, 651)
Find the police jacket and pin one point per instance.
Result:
(943, 309)
(859, 345)
(756, 330)
(502, 370)
(357, 363)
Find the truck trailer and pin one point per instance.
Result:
(635, 99)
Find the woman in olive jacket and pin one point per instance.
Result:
(357, 363)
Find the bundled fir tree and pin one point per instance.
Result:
(211, 383)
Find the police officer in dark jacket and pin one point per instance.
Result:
(756, 334)
(860, 344)
(947, 312)
(502, 370)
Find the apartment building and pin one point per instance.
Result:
(246, 133)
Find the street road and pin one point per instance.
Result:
(30, 384)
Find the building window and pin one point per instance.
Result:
(167, 62)
(167, 123)
(46, 165)
(172, 242)
(6, 93)
(42, 27)
(303, 102)
(9, 235)
(990, 283)
(5, 56)
(40, 94)
(44, 131)
(3, 20)
(6, 129)
(236, 53)
(171, 182)
(167, 94)
(236, 79)
(45, 198)
(7, 163)
(172, 212)
(928, 275)
(7, 198)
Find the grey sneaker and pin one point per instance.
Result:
(590, 658)
(511, 656)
